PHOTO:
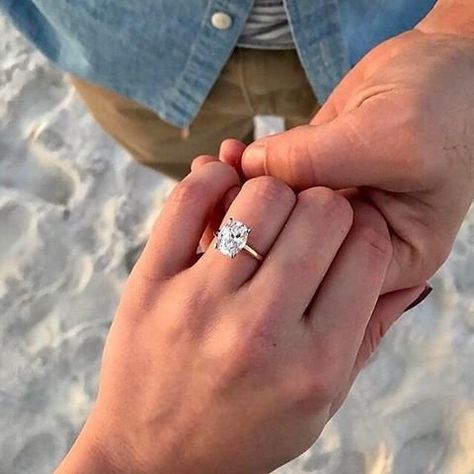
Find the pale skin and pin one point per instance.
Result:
(231, 365)
(400, 129)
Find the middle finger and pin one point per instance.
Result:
(304, 251)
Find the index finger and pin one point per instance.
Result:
(175, 237)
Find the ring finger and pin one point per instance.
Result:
(263, 204)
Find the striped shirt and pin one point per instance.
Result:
(267, 27)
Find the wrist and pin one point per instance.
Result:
(455, 17)
(92, 455)
(89, 455)
(84, 457)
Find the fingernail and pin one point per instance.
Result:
(256, 150)
(253, 159)
(424, 294)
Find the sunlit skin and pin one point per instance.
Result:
(228, 365)
(400, 127)
(231, 365)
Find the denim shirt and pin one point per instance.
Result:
(167, 54)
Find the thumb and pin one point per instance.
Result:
(361, 147)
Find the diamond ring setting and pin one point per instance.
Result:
(232, 238)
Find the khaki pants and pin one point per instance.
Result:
(253, 82)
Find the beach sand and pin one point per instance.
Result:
(74, 212)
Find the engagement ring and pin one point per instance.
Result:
(232, 238)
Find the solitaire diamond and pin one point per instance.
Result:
(232, 238)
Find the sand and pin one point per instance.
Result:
(74, 211)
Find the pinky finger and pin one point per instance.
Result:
(389, 309)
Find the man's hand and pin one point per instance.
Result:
(400, 127)
(220, 365)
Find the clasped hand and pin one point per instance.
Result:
(231, 365)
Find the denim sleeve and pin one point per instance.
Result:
(33, 25)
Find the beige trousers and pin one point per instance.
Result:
(253, 82)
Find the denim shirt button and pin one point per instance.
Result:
(221, 21)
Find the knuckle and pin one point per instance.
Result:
(199, 301)
(243, 359)
(377, 239)
(313, 391)
(188, 191)
(252, 349)
(323, 388)
(240, 351)
(329, 203)
(236, 360)
(269, 188)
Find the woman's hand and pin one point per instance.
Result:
(400, 126)
(231, 365)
